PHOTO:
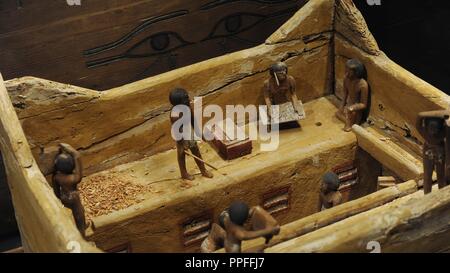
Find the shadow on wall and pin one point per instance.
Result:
(413, 34)
(8, 225)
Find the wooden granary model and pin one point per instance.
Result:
(132, 192)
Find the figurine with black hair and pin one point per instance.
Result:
(329, 192)
(180, 97)
(261, 222)
(68, 171)
(432, 126)
(280, 89)
(356, 95)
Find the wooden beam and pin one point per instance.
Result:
(389, 154)
(333, 215)
(43, 222)
(15, 250)
(386, 181)
(414, 223)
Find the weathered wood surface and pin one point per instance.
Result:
(106, 126)
(414, 223)
(50, 39)
(333, 215)
(396, 94)
(389, 154)
(45, 225)
(350, 23)
(300, 161)
(316, 14)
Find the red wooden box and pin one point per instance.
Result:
(228, 146)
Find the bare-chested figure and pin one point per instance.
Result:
(432, 126)
(216, 237)
(261, 222)
(356, 95)
(329, 192)
(181, 97)
(280, 88)
(67, 175)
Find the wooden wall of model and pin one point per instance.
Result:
(130, 122)
(105, 126)
(103, 44)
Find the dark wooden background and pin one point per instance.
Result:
(415, 34)
(108, 43)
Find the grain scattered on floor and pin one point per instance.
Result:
(104, 193)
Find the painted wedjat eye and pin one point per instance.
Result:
(156, 44)
(160, 42)
(127, 37)
(234, 24)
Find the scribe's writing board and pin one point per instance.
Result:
(285, 112)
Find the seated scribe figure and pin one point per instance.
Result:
(329, 192)
(235, 217)
(356, 95)
(433, 128)
(281, 88)
(68, 171)
(180, 97)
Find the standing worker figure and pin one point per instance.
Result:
(432, 126)
(180, 97)
(68, 171)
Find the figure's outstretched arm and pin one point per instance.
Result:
(266, 93)
(56, 187)
(444, 114)
(321, 198)
(249, 235)
(78, 171)
(294, 98)
(440, 114)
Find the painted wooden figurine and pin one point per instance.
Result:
(329, 192)
(280, 89)
(261, 222)
(181, 97)
(216, 237)
(68, 171)
(356, 95)
(433, 128)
